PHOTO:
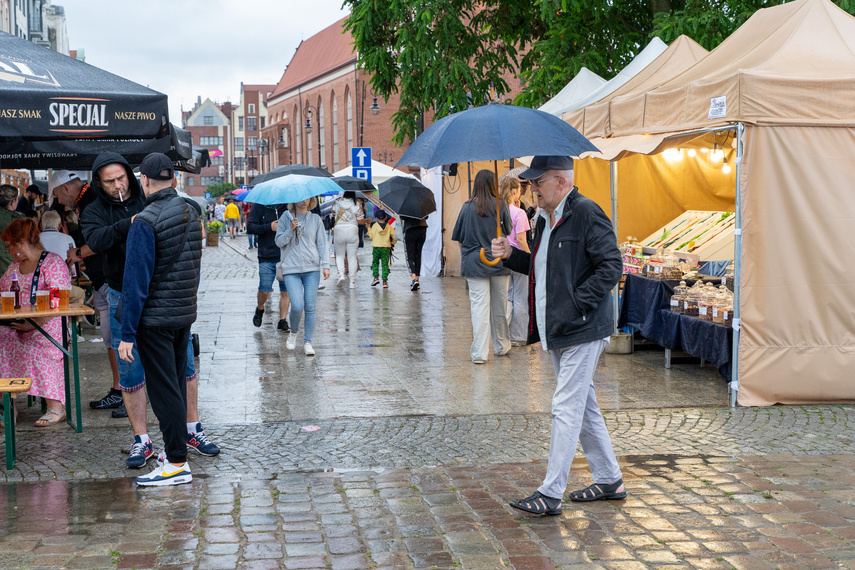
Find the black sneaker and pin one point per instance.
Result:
(375, 282)
(414, 286)
(256, 318)
(120, 412)
(283, 325)
(111, 401)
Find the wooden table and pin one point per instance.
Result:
(69, 358)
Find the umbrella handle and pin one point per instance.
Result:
(490, 262)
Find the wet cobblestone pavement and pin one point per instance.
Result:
(418, 453)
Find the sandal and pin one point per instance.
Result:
(538, 504)
(50, 418)
(599, 491)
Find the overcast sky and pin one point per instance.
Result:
(185, 48)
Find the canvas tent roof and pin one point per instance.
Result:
(791, 64)
(639, 62)
(579, 88)
(592, 120)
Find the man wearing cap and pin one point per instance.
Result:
(75, 196)
(574, 264)
(159, 306)
(27, 202)
(106, 224)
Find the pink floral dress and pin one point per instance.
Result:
(29, 354)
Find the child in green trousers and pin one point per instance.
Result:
(382, 236)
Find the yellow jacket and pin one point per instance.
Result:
(382, 237)
(232, 211)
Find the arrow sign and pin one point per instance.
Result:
(361, 157)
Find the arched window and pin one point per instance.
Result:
(335, 133)
(298, 135)
(349, 127)
(322, 141)
(309, 154)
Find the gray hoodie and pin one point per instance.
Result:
(305, 249)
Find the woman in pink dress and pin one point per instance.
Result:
(24, 352)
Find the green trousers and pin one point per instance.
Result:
(380, 260)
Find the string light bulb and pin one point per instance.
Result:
(673, 154)
(692, 152)
(725, 167)
(717, 153)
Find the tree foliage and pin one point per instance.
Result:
(218, 190)
(443, 57)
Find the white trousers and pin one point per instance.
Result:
(346, 240)
(576, 417)
(488, 298)
(518, 307)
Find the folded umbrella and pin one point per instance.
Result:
(287, 169)
(290, 189)
(407, 197)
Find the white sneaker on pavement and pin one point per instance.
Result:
(166, 474)
(291, 343)
(307, 348)
(340, 281)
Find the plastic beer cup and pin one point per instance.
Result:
(43, 300)
(64, 294)
(8, 302)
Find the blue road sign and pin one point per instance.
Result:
(360, 157)
(363, 173)
(207, 194)
(244, 187)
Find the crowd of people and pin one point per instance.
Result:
(549, 282)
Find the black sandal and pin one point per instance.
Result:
(599, 491)
(538, 504)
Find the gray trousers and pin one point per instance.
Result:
(488, 298)
(576, 417)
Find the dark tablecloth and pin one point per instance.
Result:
(646, 307)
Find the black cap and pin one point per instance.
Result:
(154, 164)
(541, 164)
(35, 188)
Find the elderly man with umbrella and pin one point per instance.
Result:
(574, 264)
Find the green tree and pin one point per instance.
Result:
(218, 190)
(443, 57)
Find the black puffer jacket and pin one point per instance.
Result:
(171, 301)
(258, 223)
(106, 221)
(584, 265)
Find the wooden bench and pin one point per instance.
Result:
(9, 386)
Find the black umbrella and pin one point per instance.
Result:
(407, 197)
(287, 169)
(494, 132)
(354, 184)
(50, 96)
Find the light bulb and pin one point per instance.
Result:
(692, 152)
(716, 154)
(673, 154)
(704, 150)
(726, 167)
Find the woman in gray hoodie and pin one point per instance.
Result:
(301, 237)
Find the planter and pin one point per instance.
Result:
(213, 239)
(620, 344)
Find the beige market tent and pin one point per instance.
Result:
(579, 88)
(785, 81)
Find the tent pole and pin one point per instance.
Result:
(733, 388)
(613, 176)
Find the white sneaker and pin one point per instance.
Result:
(353, 284)
(291, 343)
(340, 281)
(307, 348)
(166, 474)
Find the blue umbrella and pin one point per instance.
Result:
(290, 189)
(242, 196)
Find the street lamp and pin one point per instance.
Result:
(374, 108)
(308, 128)
(263, 145)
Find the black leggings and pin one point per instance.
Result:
(414, 240)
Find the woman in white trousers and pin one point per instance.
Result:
(346, 236)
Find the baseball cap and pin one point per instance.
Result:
(60, 177)
(541, 164)
(154, 164)
(34, 188)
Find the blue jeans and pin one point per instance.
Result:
(253, 240)
(303, 291)
(267, 275)
(131, 374)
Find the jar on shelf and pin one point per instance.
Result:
(690, 304)
(679, 297)
(727, 311)
(706, 300)
(719, 305)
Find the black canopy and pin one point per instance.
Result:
(45, 95)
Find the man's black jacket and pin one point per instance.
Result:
(258, 222)
(584, 264)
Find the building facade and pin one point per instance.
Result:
(252, 152)
(210, 125)
(322, 107)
